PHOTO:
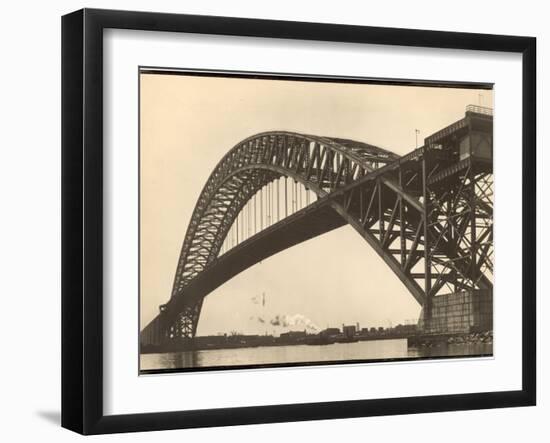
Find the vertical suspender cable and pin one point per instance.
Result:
(278, 209)
(295, 196)
(286, 196)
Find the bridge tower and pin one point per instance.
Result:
(458, 201)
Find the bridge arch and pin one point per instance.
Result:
(321, 164)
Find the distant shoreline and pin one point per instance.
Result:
(238, 342)
(265, 341)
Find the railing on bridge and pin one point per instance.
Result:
(479, 109)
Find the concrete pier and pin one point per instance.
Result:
(460, 312)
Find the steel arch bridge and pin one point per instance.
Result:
(427, 214)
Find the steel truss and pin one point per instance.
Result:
(427, 214)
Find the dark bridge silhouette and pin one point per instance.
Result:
(427, 214)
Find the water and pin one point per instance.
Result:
(268, 355)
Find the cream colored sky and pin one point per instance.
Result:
(188, 123)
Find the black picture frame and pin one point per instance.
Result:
(82, 220)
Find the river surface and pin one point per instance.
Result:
(280, 355)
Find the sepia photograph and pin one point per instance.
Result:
(291, 220)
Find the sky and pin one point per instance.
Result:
(188, 123)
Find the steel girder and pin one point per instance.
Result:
(394, 203)
(398, 207)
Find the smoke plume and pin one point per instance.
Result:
(294, 321)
